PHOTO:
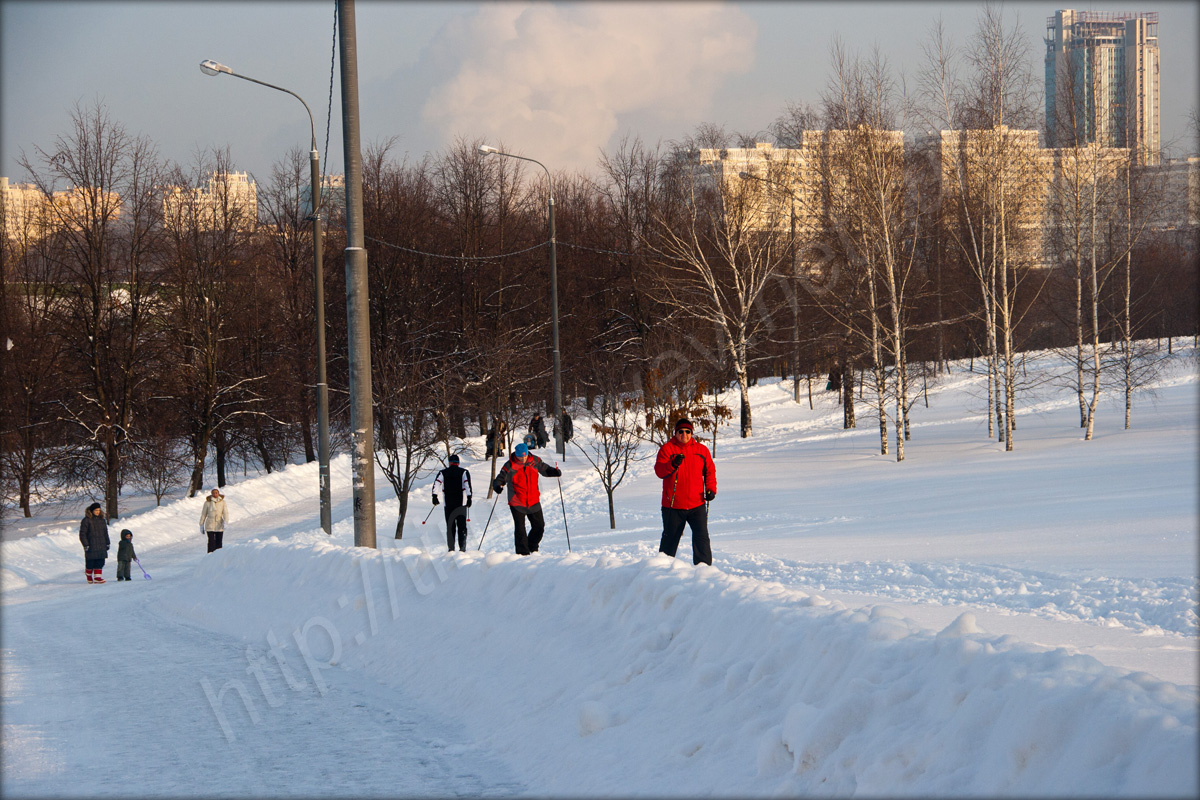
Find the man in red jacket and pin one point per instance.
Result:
(521, 474)
(689, 483)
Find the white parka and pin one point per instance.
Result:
(214, 515)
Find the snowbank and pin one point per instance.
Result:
(617, 675)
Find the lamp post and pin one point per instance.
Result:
(213, 68)
(560, 442)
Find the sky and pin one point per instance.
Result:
(559, 82)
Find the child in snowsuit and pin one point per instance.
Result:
(125, 555)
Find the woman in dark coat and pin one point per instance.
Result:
(93, 535)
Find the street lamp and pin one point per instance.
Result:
(210, 67)
(560, 442)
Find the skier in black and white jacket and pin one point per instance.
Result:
(454, 482)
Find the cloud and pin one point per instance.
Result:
(553, 80)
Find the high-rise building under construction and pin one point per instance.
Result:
(1102, 81)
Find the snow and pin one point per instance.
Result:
(967, 622)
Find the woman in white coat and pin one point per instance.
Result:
(213, 517)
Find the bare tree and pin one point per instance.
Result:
(866, 111)
(209, 223)
(101, 184)
(719, 254)
(616, 436)
(30, 372)
(995, 179)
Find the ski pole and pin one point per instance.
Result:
(143, 569)
(489, 520)
(675, 484)
(564, 509)
(427, 516)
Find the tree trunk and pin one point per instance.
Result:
(744, 390)
(612, 516)
(222, 450)
(848, 420)
(112, 476)
(403, 497)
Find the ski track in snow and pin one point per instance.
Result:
(108, 699)
(1142, 605)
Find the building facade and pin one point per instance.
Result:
(1102, 81)
(29, 215)
(229, 199)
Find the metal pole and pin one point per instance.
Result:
(322, 386)
(358, 321)
(213, 68)
(560, 439)
(560, 442)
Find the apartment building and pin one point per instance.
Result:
(1102, 81)
(30, 216)
(802, 183)
(228, 199)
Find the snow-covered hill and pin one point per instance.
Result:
(968, 622)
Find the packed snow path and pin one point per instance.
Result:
(106, 695)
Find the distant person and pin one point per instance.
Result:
(93, 535)
(537, 426)
(564, 430)
(524, 500)
(495, 440)
(213, 517)
(125, 555)
(455, 485)
(689, 479)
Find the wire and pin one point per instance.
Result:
(455, 258)
(329, 111)
(597, 249)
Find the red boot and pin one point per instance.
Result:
(89, 572)
(96, 577)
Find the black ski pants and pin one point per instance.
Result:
(527, 543)
(456, 521)
(214, 540)
(123, 570)
(696, 519)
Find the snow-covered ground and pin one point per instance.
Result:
(967, 622)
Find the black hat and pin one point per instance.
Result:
(126, 532)
(93, 507)
(453, 459)
(684, 424)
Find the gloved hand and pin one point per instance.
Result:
(676, 460)
(709, 495)
(555, 472)
(497, 486)
(435, 500)
(468, 502)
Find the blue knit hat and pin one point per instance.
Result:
(520, 451)
(453, 459)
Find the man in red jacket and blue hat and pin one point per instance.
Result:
(689, 479)
(521, 474)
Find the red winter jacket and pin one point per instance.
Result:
(684, 488)
(522, 480)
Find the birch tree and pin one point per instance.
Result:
(994, 178)
(718, 256)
